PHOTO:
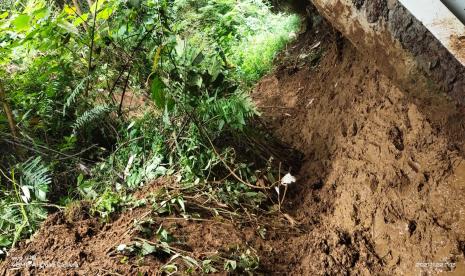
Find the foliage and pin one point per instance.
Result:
(22, 211)
(67, 71)
(248, 34)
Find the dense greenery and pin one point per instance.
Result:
(66, 70)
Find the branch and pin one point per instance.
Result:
(91, 50)
(89, 2)
(231, 171)
(124, 92)
(79, 13)
(128, 64)
(9, 114)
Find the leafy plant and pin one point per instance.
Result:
(22, 211)
(69, 72)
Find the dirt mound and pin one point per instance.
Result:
(382, 186)
(89, 247)
(380, 190)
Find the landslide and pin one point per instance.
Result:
(380, 189)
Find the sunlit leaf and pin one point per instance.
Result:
(4, 15)
(81, 19)
(21, 22)
(68, 27)
(96, 6)
(41, 13)
(70, 10)
(105, 13)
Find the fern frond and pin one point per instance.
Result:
(36, 175)
(72, 97)
(90, 115)
(232, 111)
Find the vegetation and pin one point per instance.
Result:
(67, 70)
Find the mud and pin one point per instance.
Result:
(382, 187)
(380, 190)
(87, 246)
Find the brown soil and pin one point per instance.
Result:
(380, 190)
(87, 246)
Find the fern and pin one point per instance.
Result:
(89, 116)
(35, 175)
(232, 111)
(20, 213)
(72, 97)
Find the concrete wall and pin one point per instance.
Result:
(457, 7)
(401, 45)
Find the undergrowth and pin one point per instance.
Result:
(65, 129)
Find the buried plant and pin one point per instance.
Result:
(194, 60)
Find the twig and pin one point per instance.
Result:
(271, 106)
(108, 272)
(91, 50)
(202, 129)
(9, 114)
(128, 63)
(124, 92)
(78, 12)
(66, 156)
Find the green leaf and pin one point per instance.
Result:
(198, 59)
(191, 261)
(105, 13)
(70, 10)
(170, 268)
(230, 265)
(162, 234)
(157, 92)
(195, 80)
(148, 249)
(41, 13)
(166, 116)
(81, 19)
(181, 203)
(68, 27)
(21, 22)
(4, 15)
(215, 69)
(79, 179)
(4, 241)
(41, 194)
(96, 6)
(180, 46)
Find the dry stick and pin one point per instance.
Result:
(79, 13)
(108, 272)
(284, 196)
(78, 7)
(222, 160)
(120, 74)
(9, 114)
(21, 142)
(126, 82)
(91, 50)
(89, 2)
(128, 63)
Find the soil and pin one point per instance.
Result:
(380, 190)
(382, 186)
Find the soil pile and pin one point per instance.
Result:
(382, 186)
(380, 190)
